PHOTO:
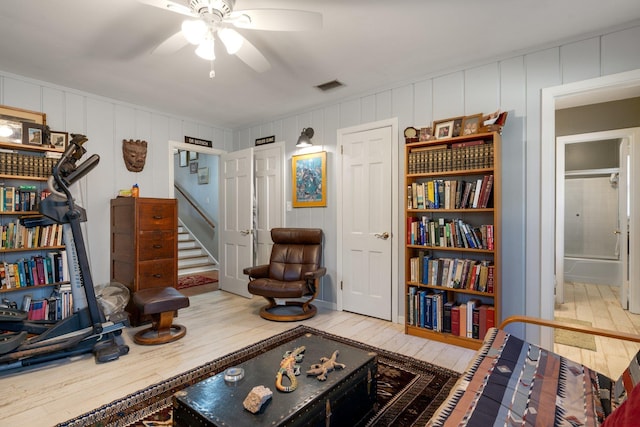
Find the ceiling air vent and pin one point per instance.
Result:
(333, 84)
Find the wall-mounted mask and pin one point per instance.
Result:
(134, 154)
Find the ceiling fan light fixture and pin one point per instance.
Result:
(304, 140)
(194, 30)
(231, 39)
(206, 49)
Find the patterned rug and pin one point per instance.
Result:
(409, 390)
(195, 280)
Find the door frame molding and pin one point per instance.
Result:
(540, 241)
(173, 146)
(395, 236)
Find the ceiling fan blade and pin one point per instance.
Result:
(251, 56)
(170, 6)
(171, 45)
(277, 20)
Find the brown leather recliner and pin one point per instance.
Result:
(293, 272)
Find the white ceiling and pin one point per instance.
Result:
(103, 47)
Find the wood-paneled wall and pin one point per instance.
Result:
(512, 83)
(106, 122)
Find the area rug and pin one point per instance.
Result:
(195, 280)
(574, 339)
(409, 390)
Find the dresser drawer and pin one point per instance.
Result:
(152, 274)
(157, 216)
(156, 245)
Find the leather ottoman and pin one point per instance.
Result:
(346, 398)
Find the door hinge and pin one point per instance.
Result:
(340, 284)
(342, 149)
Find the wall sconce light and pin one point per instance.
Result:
(305, 138)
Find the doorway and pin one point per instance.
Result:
(367, 211)
(591, 210)
(612, 87)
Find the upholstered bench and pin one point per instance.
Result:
(161, 304)
(513, 382)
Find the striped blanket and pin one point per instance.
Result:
(512, 382)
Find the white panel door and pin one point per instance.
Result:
(367, 216)
(236, 212)
(269, 184)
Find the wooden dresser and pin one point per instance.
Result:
(144, 244)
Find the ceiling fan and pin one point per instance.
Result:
(216, 20)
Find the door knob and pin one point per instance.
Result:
(383, 236)
(245, 232)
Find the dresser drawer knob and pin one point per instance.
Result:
(158, 217)
(157, 246)
(157, 276)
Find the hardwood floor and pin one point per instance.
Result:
(217, 323)
(600, 306)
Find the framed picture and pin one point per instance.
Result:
(11, 120)
(193, 155)
(203, 175)
(471, 124)
(183, 158)
(193, 167)
(33, 134)
(443, 129)
(457, 126)
(20, 115)
(58, 140)
(309, 180)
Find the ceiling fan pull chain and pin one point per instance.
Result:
(212, 73)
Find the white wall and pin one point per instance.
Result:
(512, 84)
(106, 123)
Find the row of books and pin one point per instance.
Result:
(432, 311)
(449, 233)
(35, 271)
(17, 236)
(23, 198)
(56, 307)
(476, 154)
(450, 194)
(455, 273)
(13, 163)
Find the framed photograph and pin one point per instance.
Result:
(183, 158)
(58, 140)
(443, 129)
(193, 155)
(33, 134)
(203, 176)
(193, 167)
(11, 120)
(20, 115)
(10, 131)
(471, 124)
(425, 134)
(457, 126)
(309, 180)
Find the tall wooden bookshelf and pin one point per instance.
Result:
(455, 238)
(31, 256)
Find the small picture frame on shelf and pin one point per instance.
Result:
(425, 134)
(34, 134)
(471, 124)
(443, 129)
(10, 131)
(58, 140)
(457, 126)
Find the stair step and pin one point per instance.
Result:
(197, 268)
(191, 252)
(183, 262)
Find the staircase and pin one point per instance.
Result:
(192, 257)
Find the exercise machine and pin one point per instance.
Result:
(26, 342)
